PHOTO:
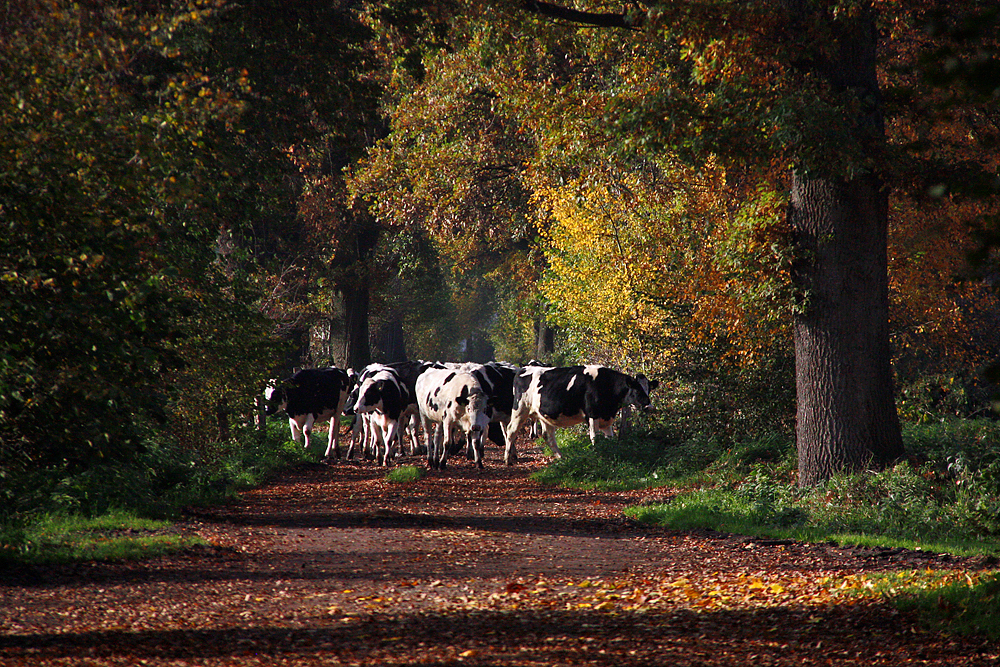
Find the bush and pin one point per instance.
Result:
(157, 482)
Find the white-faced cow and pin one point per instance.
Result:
(561, 397)
(456, 401)
(497, 380)
(311, 395)
(400, 396)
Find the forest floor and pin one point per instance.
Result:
(331, 564)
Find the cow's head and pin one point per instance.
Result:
(275, 398)
(353, 390)
(476, 406)
(369, 396)
(638, 392)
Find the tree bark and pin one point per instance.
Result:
(390, 340)
(222, 419)
(846, 414)
(357, 347)
(545, 339)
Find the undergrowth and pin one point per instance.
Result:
(118, 510)
(114, 535)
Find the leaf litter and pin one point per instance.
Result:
(331, 564)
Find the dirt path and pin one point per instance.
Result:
(333, 565)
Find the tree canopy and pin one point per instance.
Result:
(688, 189)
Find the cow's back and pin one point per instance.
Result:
(562, 391)
(316, 390)
(446, 392)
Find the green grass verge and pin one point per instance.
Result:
(120, 510)
(949, 502)
(951, 601)
(963, 607)
(115, 535)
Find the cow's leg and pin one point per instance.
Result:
(430, 435)
(354, 434)
(477, 444)
(415, 445)
(378, 440)
(371, 438)
(434, 445)
(404, 429)
(332, 441)
(307, 429)
(550, 438)
(296, 430)
(413, 432)
(600, 426)
(509, 452)
(389, 436)
(470, 448)
(447, 436)
(407, 428)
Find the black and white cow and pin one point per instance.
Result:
(311, 395)
(394, 386)
(497, 380)
(561, 397)
(453, 399)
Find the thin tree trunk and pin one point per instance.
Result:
(357, 348)
(222, 419)
(545, 339)
(261, 418)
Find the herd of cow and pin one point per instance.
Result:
(454, 403)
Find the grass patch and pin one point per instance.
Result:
(964, 607)
(405, 474)
(946, 501)
(120, 510)
(965, 603)
(115, 535)
(647, 457)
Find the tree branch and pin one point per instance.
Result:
(576, 16)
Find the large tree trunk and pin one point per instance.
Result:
(846, 414)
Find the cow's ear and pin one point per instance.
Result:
(653, 384)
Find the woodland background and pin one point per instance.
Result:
(197, 197)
